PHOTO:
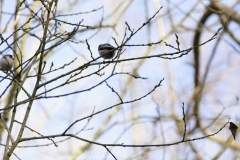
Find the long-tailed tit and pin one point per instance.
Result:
(6, 63)
(106, 51)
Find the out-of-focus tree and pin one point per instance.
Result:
(167, 94)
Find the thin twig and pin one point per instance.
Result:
(110, 152)
(184, 120)
(112, 89)
(6, 127)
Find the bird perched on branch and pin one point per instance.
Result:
(106, 51)
(6, 63)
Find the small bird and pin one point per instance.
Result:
(6, 63)
(106, 51)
